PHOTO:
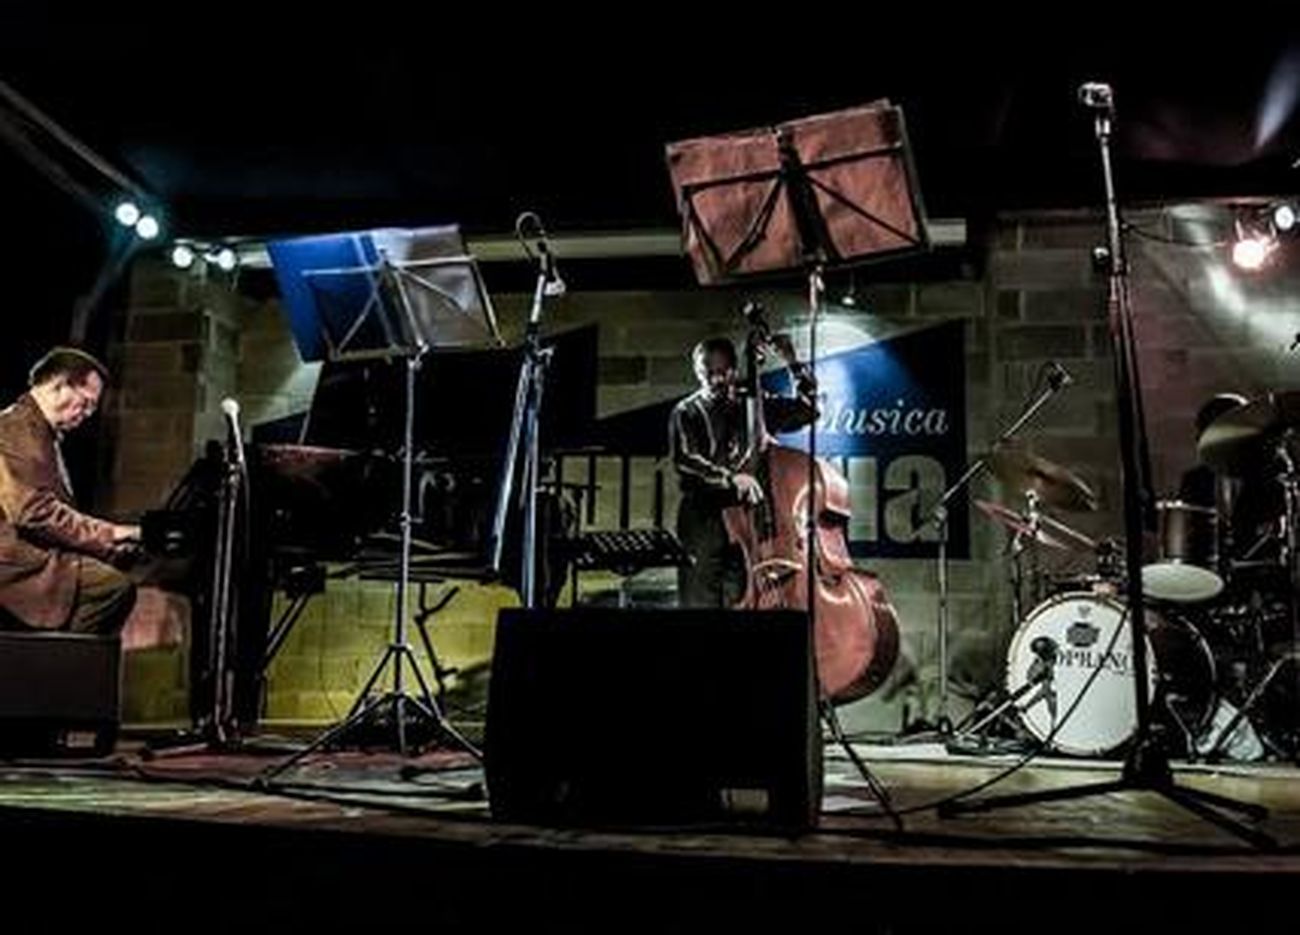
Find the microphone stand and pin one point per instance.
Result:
(214, 729)
(1146, 767)
(938, 517)
(219, 718)
(525, 424)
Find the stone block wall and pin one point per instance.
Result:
(1032, 297)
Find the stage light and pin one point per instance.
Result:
(147, 228)
(182, 256)
(1284, 216)
(225, 259)
(127, 213)
(850, 297)
(1251, 253)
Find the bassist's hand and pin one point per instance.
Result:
(747, 488)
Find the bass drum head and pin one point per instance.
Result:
(1081, 626)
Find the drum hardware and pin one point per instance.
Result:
(1180, 666)
(1022, 471)
(1186, 570)
(1040, 677)
(1219, 741)
(1235, 441)
(1008, 465)
(1035, 527)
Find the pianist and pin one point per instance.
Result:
(56, 563)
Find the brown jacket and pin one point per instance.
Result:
(42, 535)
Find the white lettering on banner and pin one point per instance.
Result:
(916, 484)
(840, 418)
(889, 503)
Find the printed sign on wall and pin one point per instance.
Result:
(894, 419)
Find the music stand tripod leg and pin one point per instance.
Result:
(421, 623)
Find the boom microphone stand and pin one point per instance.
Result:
(1146, 768)
(1057, 380)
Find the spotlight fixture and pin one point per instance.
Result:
(127, 213)
(850, 298)
(182, 256)
(147, 227)
(225, 259)
(1254, 243)
(1284, 216)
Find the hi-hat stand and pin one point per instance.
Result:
(1146, 768)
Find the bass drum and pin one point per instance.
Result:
(1077, 632)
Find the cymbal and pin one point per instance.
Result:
(1018, 524)
(1055, 486)
(1238, 438)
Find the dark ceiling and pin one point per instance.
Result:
(288, 128)
(248, 126)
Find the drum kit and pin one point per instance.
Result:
(1220, 584)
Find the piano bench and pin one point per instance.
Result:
(60, 693)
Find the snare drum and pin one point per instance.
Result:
(1080, 637)
(1186, 570)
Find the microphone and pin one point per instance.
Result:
(528, 226)
(1057, 376)
(230, 409)
(1044, 647)
(1295, 342)
(1096, 95)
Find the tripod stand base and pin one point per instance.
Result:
(405, 712)
(1146, 770)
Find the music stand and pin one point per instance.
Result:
(829, 191)
(386, 293)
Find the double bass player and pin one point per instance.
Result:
(709, 443)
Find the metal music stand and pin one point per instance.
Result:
(396, 294)
(823, 192)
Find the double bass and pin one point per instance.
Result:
(855, 627)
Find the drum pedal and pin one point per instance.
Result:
(977, 745)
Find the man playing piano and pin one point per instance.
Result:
(56, 563)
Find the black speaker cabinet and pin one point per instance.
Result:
(653, 717)
(59, 694)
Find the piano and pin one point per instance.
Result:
(324, 491)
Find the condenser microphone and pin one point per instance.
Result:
(1044, 647)
(1057, 376)
(1096, 95)
(529, 228)
(230, 409)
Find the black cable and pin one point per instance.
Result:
(873, 782)
(1172, 241)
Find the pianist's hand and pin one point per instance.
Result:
(128, 546)
(126, 535)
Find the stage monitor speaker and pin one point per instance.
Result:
(59, 694)
(603, 716)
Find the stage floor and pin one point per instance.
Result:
(339, 831)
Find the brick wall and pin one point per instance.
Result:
(1201, 328)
